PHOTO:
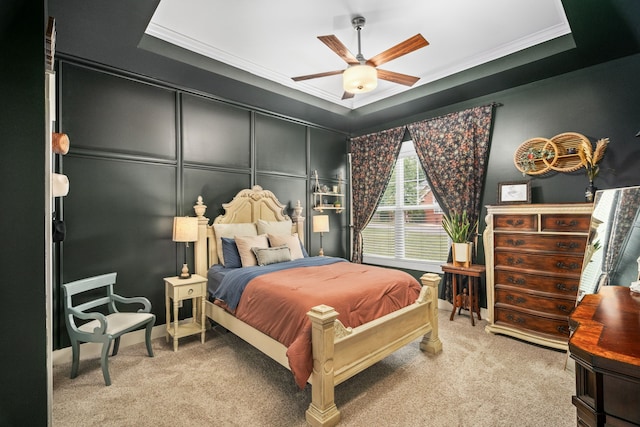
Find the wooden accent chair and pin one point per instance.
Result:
(102, 328)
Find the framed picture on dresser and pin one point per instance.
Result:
(514, 192)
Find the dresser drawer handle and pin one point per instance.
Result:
(515, 223)
(519, 300)
(563, 308)
(571, 266)
(564, 245)
(518, 281)
(515, 319)
(561, 223)
(563, 287)
(514, 261)
(563, 329)
(190, 291)
(518, 242)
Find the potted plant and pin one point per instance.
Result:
(460, 230)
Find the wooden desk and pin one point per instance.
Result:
(463, 301)
(606, 349)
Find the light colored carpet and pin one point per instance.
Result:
(478, 380)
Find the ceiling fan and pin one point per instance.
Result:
(362, 74)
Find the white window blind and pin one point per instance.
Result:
(406, 229)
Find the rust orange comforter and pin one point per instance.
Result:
(277, 303)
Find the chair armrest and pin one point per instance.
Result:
(133, 300)
(90, 316)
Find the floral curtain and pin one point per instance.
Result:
(453, 149)
(372, 160)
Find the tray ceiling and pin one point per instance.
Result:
(277, 40)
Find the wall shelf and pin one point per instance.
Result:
(321, 201)
(324, 199)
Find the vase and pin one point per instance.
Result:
(461, 254)
(590, 192)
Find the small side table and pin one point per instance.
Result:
(462, 300)
(176, 289)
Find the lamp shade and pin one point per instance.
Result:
(185, 229)
(321, 224)
(360, 79)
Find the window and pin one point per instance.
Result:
(406, 229)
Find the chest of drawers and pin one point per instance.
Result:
(534, 256)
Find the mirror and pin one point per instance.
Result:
(612, 256)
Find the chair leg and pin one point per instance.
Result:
(75, 350)
(105, 362)
(148, 339)
(116, 346)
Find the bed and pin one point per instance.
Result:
(336, 352)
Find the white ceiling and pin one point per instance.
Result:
(277, 39)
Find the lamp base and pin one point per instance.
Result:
(321, 253)
(185, 272)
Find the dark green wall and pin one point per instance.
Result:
(599, 101)
(23, 378)
(143, 151)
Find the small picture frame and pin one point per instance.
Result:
(514, 192)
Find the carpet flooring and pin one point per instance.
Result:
(479, 380)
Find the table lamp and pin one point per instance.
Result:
(321, 225)
(185, 229)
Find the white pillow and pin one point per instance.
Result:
(274, 227)
(245, 243)
(230, 231)
(290, 240)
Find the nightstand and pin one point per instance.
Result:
(176, 289)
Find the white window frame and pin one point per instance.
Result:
(433, 266)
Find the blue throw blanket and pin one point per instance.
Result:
(235, 281)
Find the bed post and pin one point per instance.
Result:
(298, 221)
(322, 410)
(431, 341)
(200, 246)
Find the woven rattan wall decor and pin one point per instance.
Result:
(538, 156)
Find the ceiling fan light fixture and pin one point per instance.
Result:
(360, 78)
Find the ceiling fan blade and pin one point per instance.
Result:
(399, 78)
(347, 95)
(340, 49)
(315, 76)
(414, 43)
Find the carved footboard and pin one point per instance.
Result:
(340, 353)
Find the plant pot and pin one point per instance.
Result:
(461, 253)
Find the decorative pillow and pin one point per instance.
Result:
(231, 230)
(266, 256)
(231, 254)
(274, 227)
(245, 243)
(290, 240)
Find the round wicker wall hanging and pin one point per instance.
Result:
(569, 144)
(537, 156)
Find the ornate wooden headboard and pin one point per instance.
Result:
(248, 205)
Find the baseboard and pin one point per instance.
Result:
(93, 350)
